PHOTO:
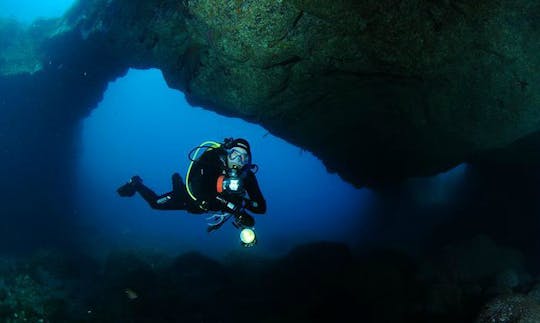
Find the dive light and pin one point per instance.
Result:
(248, 237)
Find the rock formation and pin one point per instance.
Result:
(378, 90)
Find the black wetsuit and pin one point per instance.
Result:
(203, 183)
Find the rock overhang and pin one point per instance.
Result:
(378, 90)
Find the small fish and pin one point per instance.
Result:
(130, 294)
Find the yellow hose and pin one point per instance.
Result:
(213, 145)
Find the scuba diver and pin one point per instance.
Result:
(222, 179)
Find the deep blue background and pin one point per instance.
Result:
(142, 127)
(26, 11)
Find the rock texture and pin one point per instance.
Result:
(515, 308)
(379, 90)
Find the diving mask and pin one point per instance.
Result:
(237, 157)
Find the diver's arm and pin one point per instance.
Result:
(256, 202)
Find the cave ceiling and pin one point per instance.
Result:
(379, 90)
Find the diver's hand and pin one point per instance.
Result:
(249, 204)
(243, 220)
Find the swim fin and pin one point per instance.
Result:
(130, 187)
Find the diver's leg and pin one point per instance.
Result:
(129, 189)
(177, 199)
(177, 184)
(181, 195)
(168, 201)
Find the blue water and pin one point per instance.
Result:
(26, 11)
(143, 127)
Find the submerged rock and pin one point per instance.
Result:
(379, 90)
(515, 308)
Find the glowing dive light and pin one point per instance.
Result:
(248, 238)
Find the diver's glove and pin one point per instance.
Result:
(243, 220)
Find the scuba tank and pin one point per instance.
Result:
(207, 145)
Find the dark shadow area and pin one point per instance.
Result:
(39, 119)
(36, 146)
(499, 200)
(317, 282)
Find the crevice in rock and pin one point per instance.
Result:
(376, 75)
(293, 26)
(291, 60)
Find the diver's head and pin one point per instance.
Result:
(238, 154)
